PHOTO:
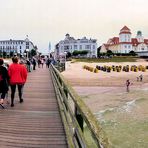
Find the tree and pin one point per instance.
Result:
(11, 53)
(98, 51)
(83, 52)
(68, 55)
(4, 54)
(75, 53)
(109, 53)
(33, 52)
(132, 53)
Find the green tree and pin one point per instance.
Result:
(11, 54)
(109, 53)
(68, 55)
(75, 53)
(4, 54)
(33, 52)
(132, 53)
(98, 51)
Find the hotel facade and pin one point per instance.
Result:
(69, 44)
(11, 47)
(125, 43)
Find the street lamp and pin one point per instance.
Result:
(27, 50)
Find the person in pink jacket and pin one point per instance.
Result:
(17, 77)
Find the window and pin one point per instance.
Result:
(94, 46)
(87, 46)
(75, 46)
(129, 46)
(125, 46)
(80, 46)
(20, 47)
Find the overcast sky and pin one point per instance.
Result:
(47, 21)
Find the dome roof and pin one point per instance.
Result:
(139, 33)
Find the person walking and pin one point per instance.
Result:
(34, 63)
(4, 78)
(48, 61)
(42, 62)
(141, 77)
(18, 75)
(127, 85)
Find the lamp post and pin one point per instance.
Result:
(27, 50)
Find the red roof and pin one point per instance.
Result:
(115, 40)
(135, 42)
(124, 30)
(146, 41)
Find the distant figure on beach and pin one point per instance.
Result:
(127, 85)
(137, 79)
(141, 78)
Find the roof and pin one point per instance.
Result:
(146, 41)
(125, 30)
(115, 41)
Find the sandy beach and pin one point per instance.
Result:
(105, 94)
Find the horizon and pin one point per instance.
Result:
(47, 21)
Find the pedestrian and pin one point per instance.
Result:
(28, 65)
(42, 62)
(48, 61)
(4, 78)
(141, 77)
(137, 79)
(127, 85)
(34, 63)
(17, 75)
(39, 63)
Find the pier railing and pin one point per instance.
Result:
(81, 127)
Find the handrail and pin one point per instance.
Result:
(74, 113)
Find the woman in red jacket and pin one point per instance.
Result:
(18, 75)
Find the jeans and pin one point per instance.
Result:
(20, 91)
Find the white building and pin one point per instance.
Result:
(125, 43)
(69, 44)
(15, 46)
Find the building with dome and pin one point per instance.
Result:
(125, 43)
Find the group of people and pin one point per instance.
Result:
(41, 62)
(14, 76)
(31, 63)
(128, 83)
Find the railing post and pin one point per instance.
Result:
(79, 118)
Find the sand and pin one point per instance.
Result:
(97, 88)
(122, 114)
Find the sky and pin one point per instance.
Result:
(47, 21)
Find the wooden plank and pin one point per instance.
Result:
(35, 123)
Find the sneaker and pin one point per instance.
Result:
(21, 100)
(12, 105)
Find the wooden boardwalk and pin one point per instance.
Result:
(36, 123)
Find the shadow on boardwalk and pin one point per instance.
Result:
(36, 123)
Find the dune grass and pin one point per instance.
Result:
(101, 60)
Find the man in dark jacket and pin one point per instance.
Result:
(4, 78)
